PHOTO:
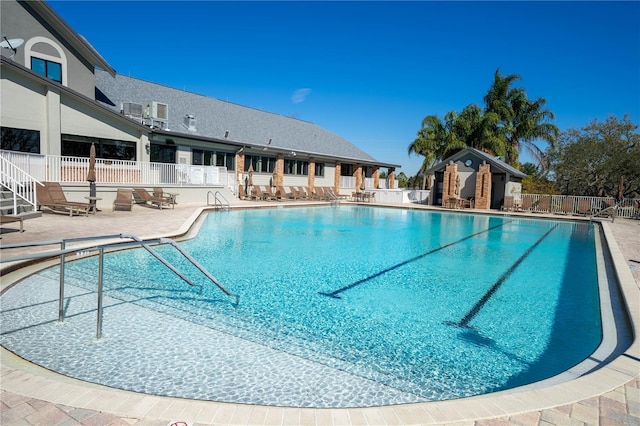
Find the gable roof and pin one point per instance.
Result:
(246, 126)
(493, 161)
(68, 34)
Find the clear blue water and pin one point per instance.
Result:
(429, 304)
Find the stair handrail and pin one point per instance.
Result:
(614, 211)
(135, 241)
(227, 205)
(19, 182)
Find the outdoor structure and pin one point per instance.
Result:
(474, 178)
(59, 96)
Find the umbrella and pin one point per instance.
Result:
(250, 171)
(91, 174)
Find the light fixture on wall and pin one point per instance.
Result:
(148, 147)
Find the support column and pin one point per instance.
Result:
(376, 177)
(278, 176)
(312, 173)
(483, 187)
(336, 178)
(357, 173)
(391, 175)
(240, 168)
(450, 183)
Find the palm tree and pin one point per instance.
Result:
(480, 130)
(436, 140)
(522, 121)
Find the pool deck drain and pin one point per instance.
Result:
(32, 395)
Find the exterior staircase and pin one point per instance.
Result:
(23, 208)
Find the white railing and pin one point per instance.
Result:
(74, 169)
(349, 182)
(577, 205)
(20, 183)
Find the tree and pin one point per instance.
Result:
(601, 159)
(402, 180)
(479, 130)
(435, 140)
(522, 122)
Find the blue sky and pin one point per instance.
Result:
(371, 71)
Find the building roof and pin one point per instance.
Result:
(79, 43)
(245, 126)
(490, 159)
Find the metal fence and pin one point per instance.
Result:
(576, 205)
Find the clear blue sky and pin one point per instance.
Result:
(371, 71)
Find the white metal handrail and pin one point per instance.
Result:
(20, 183)
(135, 241)
(217, 200)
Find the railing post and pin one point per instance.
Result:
(100, 270)
(61, 302)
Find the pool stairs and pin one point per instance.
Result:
(133, 242)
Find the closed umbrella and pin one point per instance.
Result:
(91, 175)
(250, 181)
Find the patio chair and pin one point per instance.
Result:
(257, 194)
(242, 193)
(527, 204)
(507, 203)
(294, 192)
(51, 195)
(124, 199)
(269, 195)
(567, 206)
(544, 205)
(584, 207)
(169, 197)
(142, 196)
(303, 194)
(284, 194)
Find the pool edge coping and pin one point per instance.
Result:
(17, 373)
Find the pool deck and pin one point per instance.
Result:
(31, 395)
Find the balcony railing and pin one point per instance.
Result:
(74, 169)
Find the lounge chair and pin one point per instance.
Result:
(169, 197)
(303, 194)
(270, 195)
(124, 199)
(242, 193)
(142, 196)
(544, 205)
(284, 194)
(584, 207)
(318, 193)
(507, 203)
(257, 194)
(527, 204)
(11, 219)
(51, 195)
(567, 206)
(293, 193)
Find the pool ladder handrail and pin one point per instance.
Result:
(136, 241)
(224, 206)
(614, 211)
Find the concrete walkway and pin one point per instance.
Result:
(33, 396)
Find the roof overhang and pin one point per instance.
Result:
(79, 43)
(266, 148)
(483, 156)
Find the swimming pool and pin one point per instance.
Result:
(339, 306)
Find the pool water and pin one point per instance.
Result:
(338, 306)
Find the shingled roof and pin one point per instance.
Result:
(214, 117)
